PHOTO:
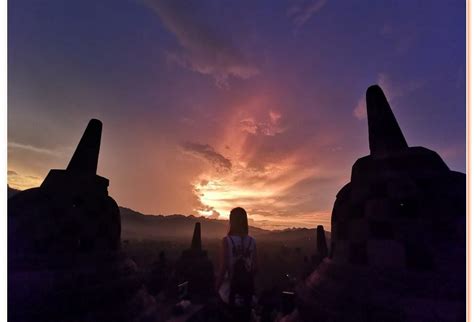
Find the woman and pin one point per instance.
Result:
(238, 265)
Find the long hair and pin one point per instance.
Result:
(238, 222)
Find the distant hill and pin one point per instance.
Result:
(136, 225)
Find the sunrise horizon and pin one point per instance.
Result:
(237, 161)
(258, 108)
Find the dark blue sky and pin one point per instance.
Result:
(274, 87)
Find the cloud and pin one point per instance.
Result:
(207, 211)
(207, 152)
(276, 191)
(268, 127)
(302, 12)
(275, 173)
(214, 215)
(22, 182)
(32, 148)
(202, 49)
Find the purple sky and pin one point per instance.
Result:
(208, 105)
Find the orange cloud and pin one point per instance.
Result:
(273, 181)
(22, 182)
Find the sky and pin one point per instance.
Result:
(210, 105)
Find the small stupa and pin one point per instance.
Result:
(195, 267)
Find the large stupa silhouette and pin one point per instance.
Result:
(398, 237)
(64, 258)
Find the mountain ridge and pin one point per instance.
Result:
(136, 225)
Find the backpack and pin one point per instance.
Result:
(241, 281)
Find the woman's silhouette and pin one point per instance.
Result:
(238, 265)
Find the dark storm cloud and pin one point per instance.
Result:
(207, 152)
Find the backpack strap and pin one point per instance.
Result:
(250, 245)
(233, 245)
(244, 251)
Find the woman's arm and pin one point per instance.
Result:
(222, 264)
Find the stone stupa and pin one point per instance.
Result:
(64, 259)
(398, 237)
(195, 267)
